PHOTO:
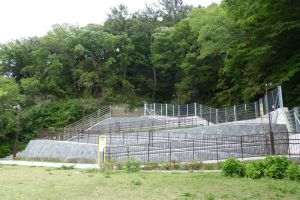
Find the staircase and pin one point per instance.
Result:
(79, 127)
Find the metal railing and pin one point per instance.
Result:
(83, 124)
(244, 112)
(293, 119)
(208, 148)
(91, 135)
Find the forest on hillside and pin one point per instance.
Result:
(220, 55)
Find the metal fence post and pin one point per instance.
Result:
(217, 149)
(242, 147)
(187, 110)
(210, 114)
(195, 108)
(170, 152)
(178, 110)
(225, 114)
(280, 96)
(173, 110)
(234, 113)
(154, 108)
(166, 110)
(255, 108)
(201, 110)
(145, 108)
(267, 104)
(193, 149)
(148, 152)
(161, 109)
(217, 117)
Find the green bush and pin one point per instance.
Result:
(255, 169)
(293, 172)
(166, 166)
(196, 165)
(175, 164)
(132, 165)
(233, 167)
(4, 150)
(276, 167)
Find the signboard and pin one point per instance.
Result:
(102, 145)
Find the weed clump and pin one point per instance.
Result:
(64, 167)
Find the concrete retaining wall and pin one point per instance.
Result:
(60, 149)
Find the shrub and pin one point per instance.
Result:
(151, 165)
(232, 167)
(255, 169)
(132, 165)
(175, 164)
(276, 167)
(166, 166)
(196, 165)
(4, 150)
(209, 166)
(293, 172)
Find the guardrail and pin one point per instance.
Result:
(86, 122)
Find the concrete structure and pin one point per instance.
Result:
(61, 149)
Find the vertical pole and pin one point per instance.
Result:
(195, 108)
(110, 111)
(166, 110)
(170, 152)
(154, 108)
(255, 108)
(148, 152)
(161, 109)
(267, 104)
(187, 110)
(173, 110)
(242, 147)
(217, 117)
(193, 149)
(245, 107)
(280, 96)
(273, 101)
(234, 112)
(210, 114)
(217, 149)
(201, 110)
(225, 114)
(178, 110)
(145, 108)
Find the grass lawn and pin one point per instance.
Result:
(21, 182)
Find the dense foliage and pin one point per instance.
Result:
(220, 55)
(233, 167)
(277, 167)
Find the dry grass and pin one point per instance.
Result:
(20, 182)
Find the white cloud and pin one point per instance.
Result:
(27, 18)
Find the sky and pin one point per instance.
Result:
(28, 18)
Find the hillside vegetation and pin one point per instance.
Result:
(220, 55)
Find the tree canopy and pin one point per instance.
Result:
(219, 55)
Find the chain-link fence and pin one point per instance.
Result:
(270, 102)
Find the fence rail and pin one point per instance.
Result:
(86, 122)
(218, 148)
(270, 102)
